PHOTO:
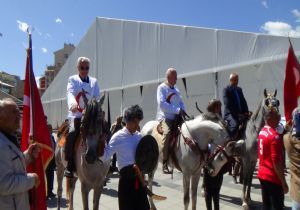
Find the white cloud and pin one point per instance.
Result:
(280, 29)
(44, 50)
(265, 4)
(48, 35)
(58, 20)
(296, 13)
(22, 26)
(38, 31)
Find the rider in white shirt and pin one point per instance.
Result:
(170, 104)
(80, 89)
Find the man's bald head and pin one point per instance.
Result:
(3, 105)
(9, 116)
(234, 79)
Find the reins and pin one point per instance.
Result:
(196, 149)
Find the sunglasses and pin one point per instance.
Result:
(84, 68)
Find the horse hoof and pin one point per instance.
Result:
(245, 206)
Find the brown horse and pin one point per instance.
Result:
(89, 169)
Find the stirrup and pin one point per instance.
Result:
(165, 169)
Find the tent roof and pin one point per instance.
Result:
(128, 53)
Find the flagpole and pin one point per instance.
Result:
(32, 113)
(290, 41)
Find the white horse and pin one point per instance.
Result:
(90, 170)
(199, 131)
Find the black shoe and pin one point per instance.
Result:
(68, 173)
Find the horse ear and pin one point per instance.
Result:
(102, 99)
(275, 93)
(265, 93)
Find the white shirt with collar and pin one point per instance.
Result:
(74, 93)
(169, 102)
(124, 144)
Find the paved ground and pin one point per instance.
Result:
(164, 185)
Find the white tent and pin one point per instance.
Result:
(129, 59)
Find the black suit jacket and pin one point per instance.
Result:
(231, 104)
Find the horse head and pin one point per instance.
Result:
(92, 129)
(205, 133)
(222, 155)
(270, 101)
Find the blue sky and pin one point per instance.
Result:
(66, 21)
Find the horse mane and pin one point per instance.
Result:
(92, 118)
(63, 129)
(254, 116)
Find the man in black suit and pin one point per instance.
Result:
(235, 106)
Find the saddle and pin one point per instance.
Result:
(173, 139)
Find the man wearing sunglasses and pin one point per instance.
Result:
(80, 89)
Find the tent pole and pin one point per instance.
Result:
(216, 85)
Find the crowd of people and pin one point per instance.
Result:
(125, 136)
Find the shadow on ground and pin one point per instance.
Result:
(110, 192)
(51, 203)
(255, 205)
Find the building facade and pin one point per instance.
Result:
(60, 58)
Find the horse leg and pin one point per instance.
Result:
(150, 183)
(96, 197)
(248, 197)
(245, 184)
(85, 196)
(248, 175)
(71, 184)
(186, 190)
(195, 182)
(59, 177)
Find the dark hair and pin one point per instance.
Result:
(212, 104)
(271, 113)
(133, 112)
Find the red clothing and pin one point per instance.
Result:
(270, 149)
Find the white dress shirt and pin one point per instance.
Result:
(124, 144)
(74, 93)
(165, 109)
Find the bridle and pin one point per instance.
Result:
(192, 143)
(217, 151)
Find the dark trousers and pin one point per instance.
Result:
(212, 187)
(114, 161)
(74, 130)
(131, 195)
(272, 196)
(50, 175)
(232, 125)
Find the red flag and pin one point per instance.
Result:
(291, 84)
(34, 129)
